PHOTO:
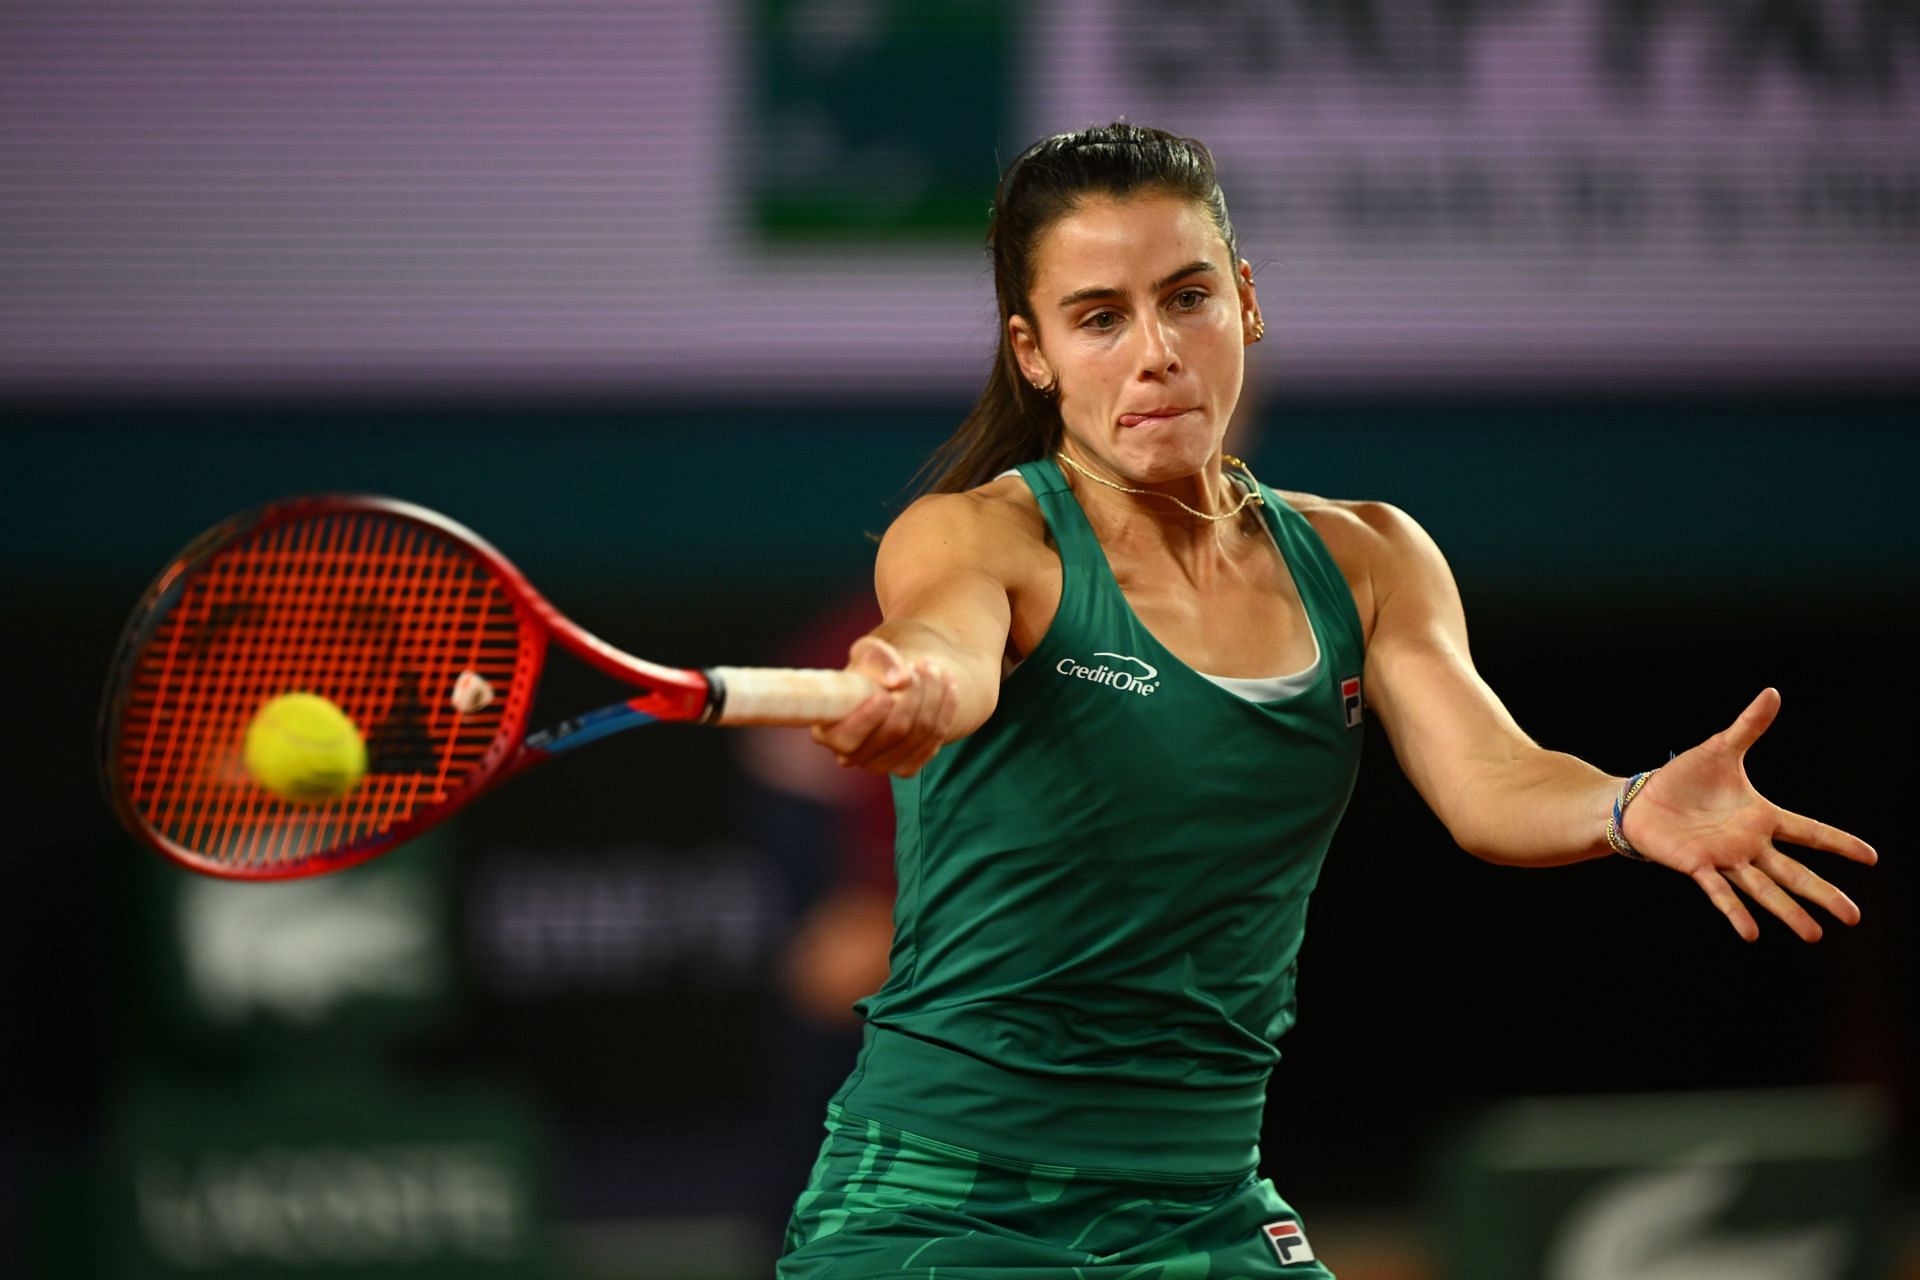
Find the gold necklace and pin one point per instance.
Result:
(1250, 498)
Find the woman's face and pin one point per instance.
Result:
(1142, 318)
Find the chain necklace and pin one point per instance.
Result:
(1250, 498)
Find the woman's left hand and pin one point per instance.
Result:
(1701, 816)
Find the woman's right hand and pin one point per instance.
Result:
(899, 727)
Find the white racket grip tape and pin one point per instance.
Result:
(788, 695)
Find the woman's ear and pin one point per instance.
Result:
(1026, 353)
(1252, 326)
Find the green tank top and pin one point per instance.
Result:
(1103, 889)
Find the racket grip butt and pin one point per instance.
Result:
(783, 695)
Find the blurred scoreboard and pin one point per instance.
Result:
(786, 198)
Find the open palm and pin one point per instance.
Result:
(1701, 816)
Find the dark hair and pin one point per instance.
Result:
(1013, 422)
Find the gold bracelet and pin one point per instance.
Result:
(1616, 821)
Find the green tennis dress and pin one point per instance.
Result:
(1103, 893)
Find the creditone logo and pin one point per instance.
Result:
(1125, 679)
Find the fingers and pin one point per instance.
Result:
(900, 727)
(907, 741)
(845, 735)
(1767, 882)
(1790, 875)
(1746, 730)
(1808, 834)
(878, 660)
(1762, 889)
(1722, 895)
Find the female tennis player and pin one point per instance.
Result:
(1122, 691)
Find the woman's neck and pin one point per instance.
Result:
(1151, 520)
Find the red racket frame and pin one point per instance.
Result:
(667, 693)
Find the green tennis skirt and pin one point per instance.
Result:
(885, 1203)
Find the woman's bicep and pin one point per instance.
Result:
(941, 577)
(1444, 720)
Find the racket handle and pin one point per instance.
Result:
(783, 695)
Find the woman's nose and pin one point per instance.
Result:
(1158, 356)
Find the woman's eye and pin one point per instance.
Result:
(1188, 299)
(1102, 320)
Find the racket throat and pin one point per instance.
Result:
(578, 731)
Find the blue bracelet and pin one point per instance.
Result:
(1616, 835)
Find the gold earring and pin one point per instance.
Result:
(1259, 327)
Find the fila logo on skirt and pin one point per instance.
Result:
(1289, 1241)
(1350, 700)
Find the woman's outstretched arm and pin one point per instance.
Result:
(1505, 798)
(942, 580)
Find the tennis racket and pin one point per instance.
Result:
(429, 640)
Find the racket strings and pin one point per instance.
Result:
(378, 615)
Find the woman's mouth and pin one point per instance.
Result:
(1151, 416)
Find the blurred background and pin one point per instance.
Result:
(669, 301)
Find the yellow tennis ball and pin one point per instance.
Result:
(303, 748)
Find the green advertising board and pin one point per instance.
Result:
(344, 965)
(320, 1174)
(879, 121)
(1768, 1185)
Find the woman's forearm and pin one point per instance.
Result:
(1538, 808)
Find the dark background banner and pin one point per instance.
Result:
(602, 940)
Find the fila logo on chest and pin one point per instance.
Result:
(1350, 701)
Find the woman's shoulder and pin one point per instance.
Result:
(1372, 542)
(998, 521)
(1358, 525)
(1002, 507)
(1008, 497)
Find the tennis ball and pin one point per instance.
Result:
(303, 748)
